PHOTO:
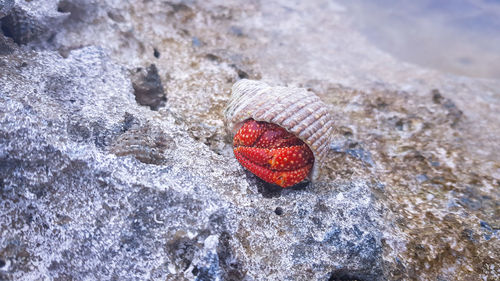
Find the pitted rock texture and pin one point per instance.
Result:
(102, 180)
(7, 45)
(32, 21)
(5, 7)
(94, 185)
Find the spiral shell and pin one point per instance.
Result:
(297, 110)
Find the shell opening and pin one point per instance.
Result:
(296, 110)
(272, 153)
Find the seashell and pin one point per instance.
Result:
(145, 143)
(297, 110)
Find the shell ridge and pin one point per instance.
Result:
(310, 122)
(294, 110)
(315, 127)
(319, 132)
(244, 92)
(285, 114)
(323, 141)
(296, 117)
(276, 110)
(243, 100)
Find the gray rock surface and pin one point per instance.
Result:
(95, 185)
(71, 208)
(5, 7)
(31, 21)
(7, 45)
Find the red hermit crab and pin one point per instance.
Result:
(272, 153)
(281, 133)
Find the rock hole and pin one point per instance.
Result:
(346, 131)
(179, 7)
(148, 88)
(6, 30)
(63, 7)
(344, 275)
(278, 211)
(212, 57)
(77, 11)
(24, 28)
(242, 74)
(227, 260)
(2, 263)
(399, 125)
(115, 16)
(156, 53)
(436, 96)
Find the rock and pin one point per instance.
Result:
(160, 216)
(93, 185)
(5, 7)
(7, 45)
(29, 21)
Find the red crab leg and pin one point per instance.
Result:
(281, 178)
(272, 153)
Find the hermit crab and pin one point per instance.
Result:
(281, 134)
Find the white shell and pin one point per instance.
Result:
(299, 111)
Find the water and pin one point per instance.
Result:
(460, 36)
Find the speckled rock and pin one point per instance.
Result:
(31, 21)
(5, 7)
(94, 185)
(7, 45)
(90, 178)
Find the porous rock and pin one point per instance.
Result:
(31, 21)
(7, 45)
(95, 186)
(82, 193)
(5, 7)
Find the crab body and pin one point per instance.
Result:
(272, 153)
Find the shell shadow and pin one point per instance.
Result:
(269, 190)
